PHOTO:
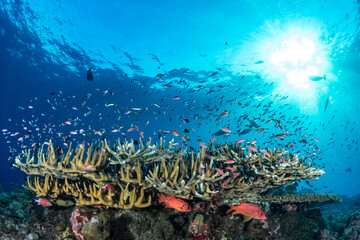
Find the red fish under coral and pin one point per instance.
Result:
(248, 209)
(43, 202)
(172, 202)
(108, 187)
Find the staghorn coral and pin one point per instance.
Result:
(226, 170)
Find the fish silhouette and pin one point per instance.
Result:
(89, 75)
(326, 104)
(245, 131)
(219, 133)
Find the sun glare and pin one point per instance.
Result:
(296, 59)
(290, 54)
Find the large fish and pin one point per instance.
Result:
(220, 133)
(89, 75)
(173, 202)
(253, 123)
(250, 210)
(245, 131)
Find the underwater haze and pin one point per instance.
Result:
(283, 73)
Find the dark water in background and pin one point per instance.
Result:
(222, 60)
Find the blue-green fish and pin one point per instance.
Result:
(317, 78)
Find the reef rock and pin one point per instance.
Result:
(352, 229)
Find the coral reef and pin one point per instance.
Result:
(22, 220)
(198, 228)
(108, 192)
(352, 230)
(310, 199)
(89, 224)
(227, 170)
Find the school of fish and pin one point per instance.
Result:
(182, 104)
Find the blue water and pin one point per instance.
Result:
(253, 59)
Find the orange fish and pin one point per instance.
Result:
(109, 186)
(239, 141)
(159, 75)
(203, 145)
(221, 172)
(229, 162)
(225, 130)
(175, 133)
(248, 209)
(172, 202)
(225, 113)
(44, 202)
(230, 168)
(281, 136)
(88, 166)
(253, 149)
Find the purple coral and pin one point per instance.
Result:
(79, 217)
(198, 228)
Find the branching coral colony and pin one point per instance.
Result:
(225, 171)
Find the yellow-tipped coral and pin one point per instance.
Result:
(229, 170)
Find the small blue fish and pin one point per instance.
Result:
(317, 78)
